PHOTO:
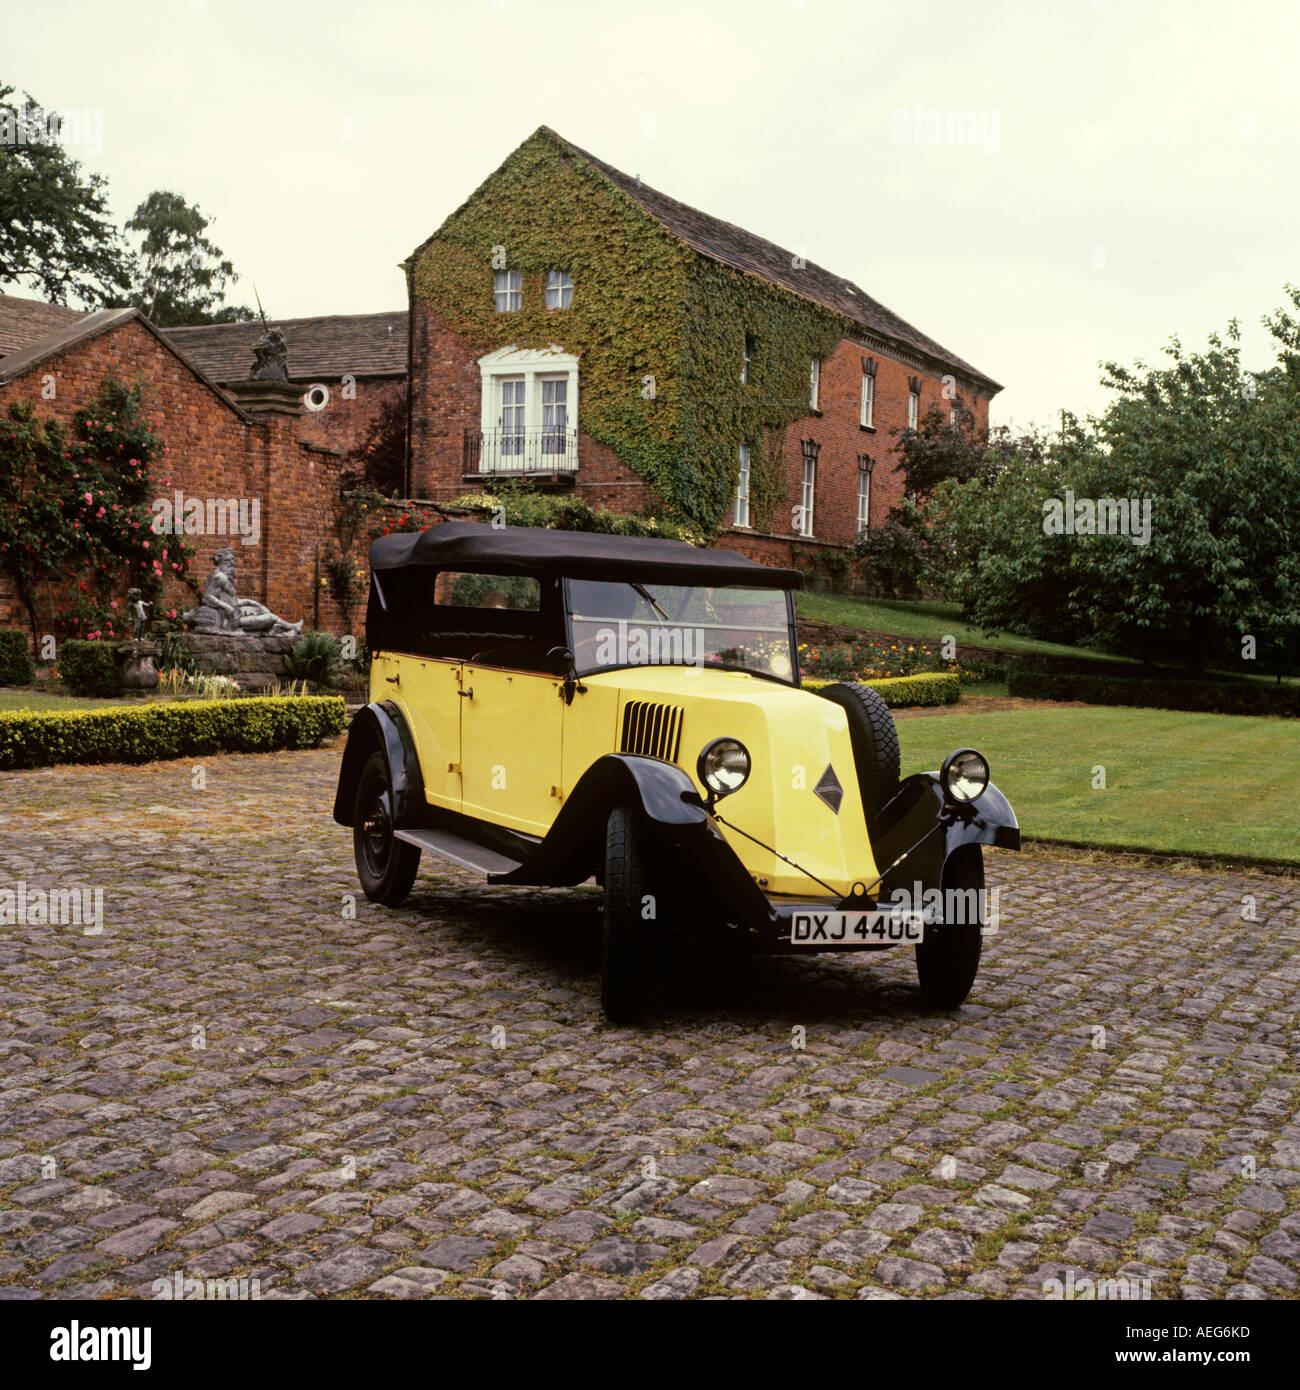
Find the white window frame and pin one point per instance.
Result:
(864, 496)
(868, 400)
(740, 515)
(807, 494)
(508, 285)
(746, 360)
(534, 365)
(814, 383)
(913, 410)
(559, 289)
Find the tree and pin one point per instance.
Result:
(178, 274)
(55, 230)
(379, 460)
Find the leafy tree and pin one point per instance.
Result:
(179, 275)
(939, 448)
(55, 231)
(379, 460)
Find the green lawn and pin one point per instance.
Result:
(931, 622)
(1189, 783)
(11, 700)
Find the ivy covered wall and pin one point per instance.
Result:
(659, 330)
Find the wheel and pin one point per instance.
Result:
(874, 739)
(386, 865)
(946, 964)
(623, 946)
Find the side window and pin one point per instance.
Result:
(519, 592)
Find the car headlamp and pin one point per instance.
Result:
(723, 766)
(965, 775)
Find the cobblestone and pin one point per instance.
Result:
(254, 1073)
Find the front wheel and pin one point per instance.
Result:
(623, 945)
(947, 962)
(386, 865)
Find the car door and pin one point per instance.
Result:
(428, 693)
(511, 747)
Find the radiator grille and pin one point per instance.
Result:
(654, 731)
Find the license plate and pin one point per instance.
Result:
(884, 927)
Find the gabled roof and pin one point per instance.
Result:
(89, 326)
(26, 321)
(320, 349)
(732, 246)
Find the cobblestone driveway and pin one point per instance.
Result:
(427, 1101)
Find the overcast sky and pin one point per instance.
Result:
(1133, 172)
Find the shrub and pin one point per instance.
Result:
(88, 668)
(181, 729)
(900, 692)
(315, 656)
(1215, 697)
(16, 664)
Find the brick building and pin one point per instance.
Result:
(541, 244)
(251, 441)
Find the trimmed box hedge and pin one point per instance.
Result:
(16, 664)
(169, 729)
(900, 692)
(88, 668)
(1197, 696)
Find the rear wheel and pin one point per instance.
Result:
(948, 960)
(623, 947)
(386, 865)
(874, 739)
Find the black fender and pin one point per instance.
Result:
(680, 827)
(918, 812)
(382, 726)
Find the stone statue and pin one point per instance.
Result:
(271, 357)
(140, 611)
(222, 611)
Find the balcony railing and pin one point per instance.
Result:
(497, 453)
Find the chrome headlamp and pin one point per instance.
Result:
(965, 775)
(723, 766)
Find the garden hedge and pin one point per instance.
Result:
(924, 688)
(168, 729)
(1214, 697)
(88, 668)
(16, 664)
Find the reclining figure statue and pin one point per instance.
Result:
(223, 611)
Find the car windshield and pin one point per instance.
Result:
(615, 623)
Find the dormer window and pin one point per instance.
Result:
(559, 289)
(509, 289)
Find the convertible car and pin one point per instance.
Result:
(549, 707)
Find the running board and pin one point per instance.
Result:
(459, 850)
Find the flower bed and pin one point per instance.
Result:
(900, 692)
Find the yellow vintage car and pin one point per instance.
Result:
(549, 707)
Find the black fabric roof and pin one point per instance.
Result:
(473, 545)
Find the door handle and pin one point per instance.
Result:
(467, 694)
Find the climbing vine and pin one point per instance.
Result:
(660, 330)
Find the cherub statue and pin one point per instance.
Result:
(140, 611)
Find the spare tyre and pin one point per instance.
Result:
(874, 739)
